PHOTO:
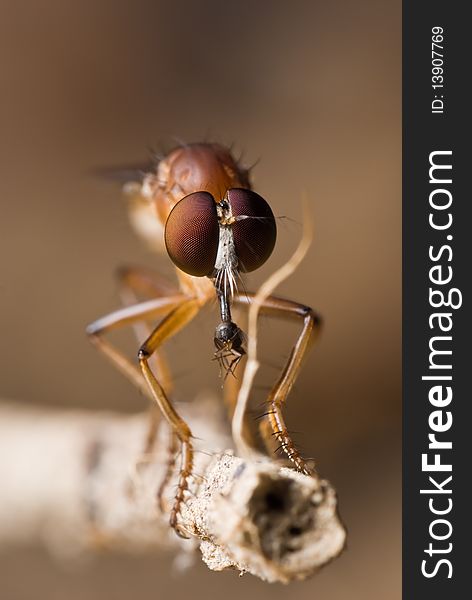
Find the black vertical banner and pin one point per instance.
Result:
(437, 257)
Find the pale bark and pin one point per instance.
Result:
(76, 480)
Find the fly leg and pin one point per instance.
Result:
(133, 315)
(167, 328)
(311, 323)
(136, 283)
(129, 315)
(172, 450)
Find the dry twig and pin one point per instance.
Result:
(76, 480)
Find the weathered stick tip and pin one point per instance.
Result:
(90, 480)
(271, 521)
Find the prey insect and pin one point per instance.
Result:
(199, 208)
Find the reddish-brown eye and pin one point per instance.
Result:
(192, 234)
(254, 231)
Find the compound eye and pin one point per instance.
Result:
(254, 231)
(192, 234)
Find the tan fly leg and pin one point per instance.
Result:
(171, 456)
(129, 316)
(311, 326)
(132, 315)
(168, 327)
(138, 283)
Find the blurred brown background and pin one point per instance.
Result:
(312, 89)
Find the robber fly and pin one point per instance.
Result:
(198, 207)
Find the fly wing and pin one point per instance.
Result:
(125, 174)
